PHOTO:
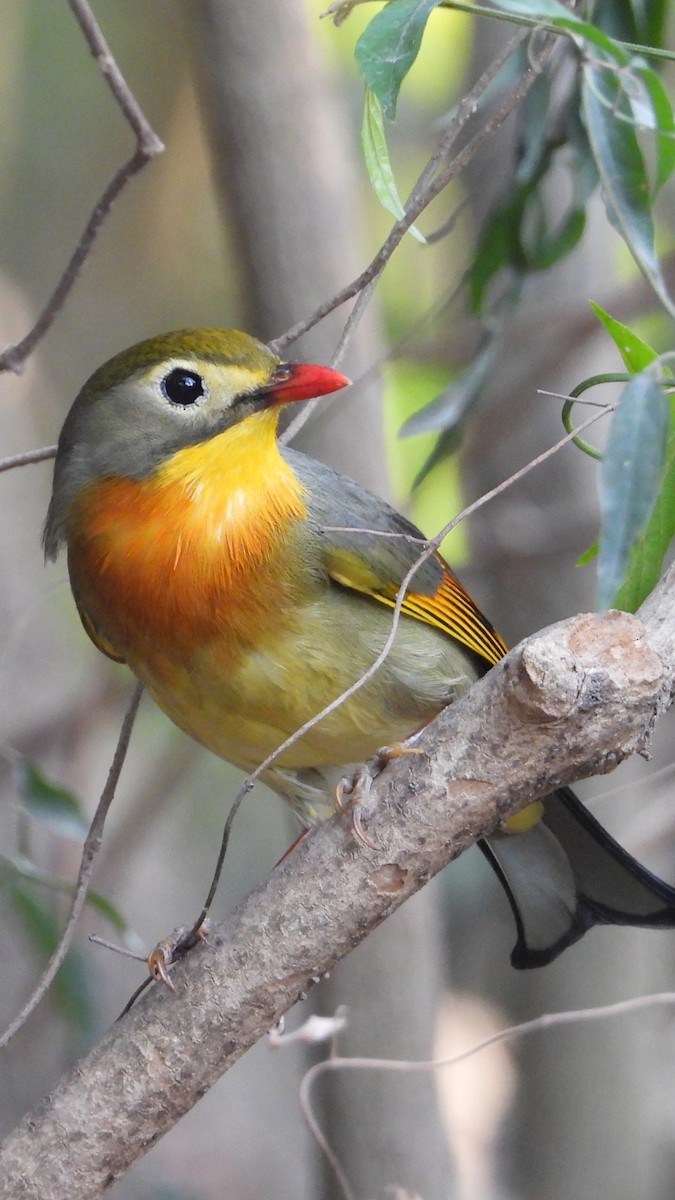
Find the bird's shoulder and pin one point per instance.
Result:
(365, 545)
(361, 532)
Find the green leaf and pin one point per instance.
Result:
(582, 168)
(650, 18)
(71, 987)
(630, 478)
(21, 867)
(588, 555)
(551, 12)
(377, 161)
(49, 803)
(648, 554)
(447, 411)
(636, 354)
(499, 246)
(533, 132)
(633, 20)
(623, 176)
(544, 10)
(389, 46)
(552, 247)
(445, 446)
(662, 122)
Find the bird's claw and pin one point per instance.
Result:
(174, 947)
(353, 790)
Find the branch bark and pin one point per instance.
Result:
(570, 702)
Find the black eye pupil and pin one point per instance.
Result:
(184, 387)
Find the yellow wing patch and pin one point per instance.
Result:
(450, 608)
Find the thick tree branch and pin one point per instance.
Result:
(570, 702)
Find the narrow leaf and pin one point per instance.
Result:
(630, 478)
(554, 246)
(445, 446)
(448, 410)
(533, 136)
(536, 9)
(650, 18)
(623, 175)
(378, 163)
(499, 246)
(389, 46)
(588, 555)
(662, 123)
(636, 354)
(651, 547)
(21, 867)
(49, 803)
(648, 554)
(551, 12)
(71, 986)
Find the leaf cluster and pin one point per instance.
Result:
(598, 116)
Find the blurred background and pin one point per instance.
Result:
(259, 209)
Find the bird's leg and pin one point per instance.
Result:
(353, 790)
(294, 844)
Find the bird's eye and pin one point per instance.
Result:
(282, 373)
(183, 387)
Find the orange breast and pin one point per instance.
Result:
(162, 565)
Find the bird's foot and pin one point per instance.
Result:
(174, 947)
(353, 790)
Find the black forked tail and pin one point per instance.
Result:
(565, 875)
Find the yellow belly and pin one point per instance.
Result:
(244, 712)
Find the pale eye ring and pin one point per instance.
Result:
(183, 386)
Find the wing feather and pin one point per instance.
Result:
(360, 558)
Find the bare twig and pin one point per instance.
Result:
(293, 428)
(89, 853)
(546, 1021)
(27, 457)
(432, 181)
(146, 137)
(116, 948)
(148, 145)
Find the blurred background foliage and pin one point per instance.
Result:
(258, 210)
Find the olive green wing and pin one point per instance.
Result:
(369, 547)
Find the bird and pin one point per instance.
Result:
(247, 585)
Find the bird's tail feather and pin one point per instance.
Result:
(566, 874)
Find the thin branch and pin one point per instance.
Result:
(383, 533)
(546, 1021)
(26, 457)
(292, 430)
(117, 949)
(89, 853)
(220, 861)
(148, 145)
(431, 182)
(147, 139)
(152, 1067)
